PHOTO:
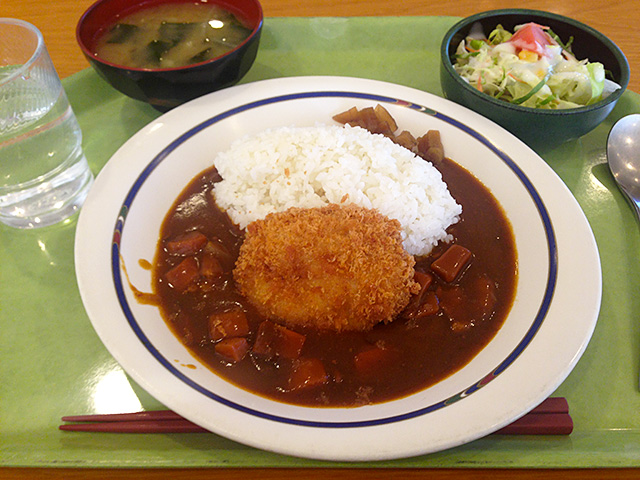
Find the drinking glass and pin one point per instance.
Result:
(44, 175)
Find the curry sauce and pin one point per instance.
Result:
(440, 331)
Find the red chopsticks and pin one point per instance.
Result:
(153, 421)
(551, 417)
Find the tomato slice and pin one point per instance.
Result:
(533, 38)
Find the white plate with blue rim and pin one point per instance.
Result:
(543, 337)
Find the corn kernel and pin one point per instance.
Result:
(528, 56)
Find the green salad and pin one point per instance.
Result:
(531, 67)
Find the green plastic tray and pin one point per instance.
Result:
(53, 364)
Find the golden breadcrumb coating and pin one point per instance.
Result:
(339, 267)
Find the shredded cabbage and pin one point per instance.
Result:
(540, 75)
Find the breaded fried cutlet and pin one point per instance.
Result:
(338, 267)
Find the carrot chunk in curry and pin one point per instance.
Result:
(370, 360)
(415, 308)
(232, 349)
(228, 324)
(307, 373)
(430, 305)
(183, 275)
(273, 340)
(210, 266)
(188, 244)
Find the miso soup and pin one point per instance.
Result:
(171, 35)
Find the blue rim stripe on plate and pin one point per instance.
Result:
(522, 345)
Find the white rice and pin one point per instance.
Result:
(314, 166)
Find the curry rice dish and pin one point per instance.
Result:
(322, 305)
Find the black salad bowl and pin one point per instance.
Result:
(538, 128)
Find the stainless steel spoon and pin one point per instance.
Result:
(623, 154)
